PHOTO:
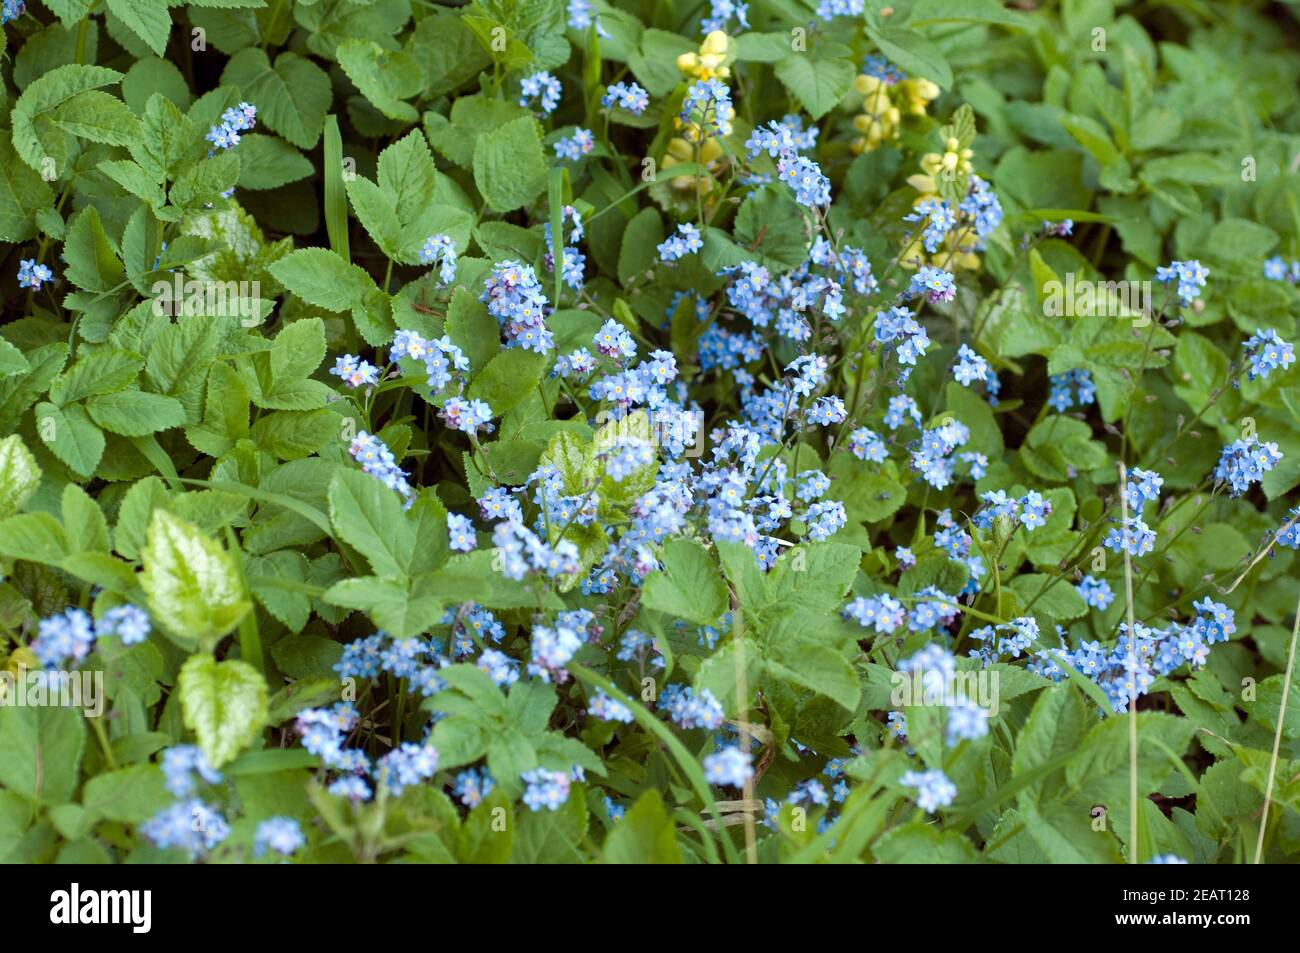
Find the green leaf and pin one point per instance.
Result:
(645, 835)
(472, 329)
(771, 226)
(23, 193)
(71, 435)
(507, 379)
(292, 96)
(368, 516)
(819, 84)
(687, 585)
(913, 53)
(509, 165)
(280, 380)
(36, 137)
(83, 521)
(130, 795)
(223, 703)
(322, 278)
(639, 250)
(192, 583)
(203, 182)
(166, 136)
(103, 370)
(40, 751)
(92, 263)
(404, 206)
(36, 537)
(147, 19)
(267, 162)
(19, 475)
(384, 77)
(99, 117)
(135, 413)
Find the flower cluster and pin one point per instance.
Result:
(444, 363)
(1190, 276)
(541, 87)
(33, 275)
(627, 96)
(377, 460)
(354, 371)
(887, 96)
(1244, 462)
(70, 635)
(575, 146)
(235, 120)
(1267, 353)
(1128, 669)
(515, 298)
(440, 250)
(933, 789)
(1070, 388)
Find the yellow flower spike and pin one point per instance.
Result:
(924, 184)
(717, 43)
(22, 657)
(866, 84)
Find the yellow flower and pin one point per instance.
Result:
(883, 108)
(712, 61)
(680, 150)
(22, 658)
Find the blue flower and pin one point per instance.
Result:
(687, 241)
(515, 298)
(1267, 352)
(1190, 276)
(1244, 462)
(461, 530)
(627, 96)
(354, 371)
(803, 175)
(377, 460)
(728, 766)
(608, 709)
(192, 826)
(936, 284)
(966, 722)
(32, 275)
(406, 766)
(933, 789)
(235, 120)
(575, 146)
(970, 367)
(63, 637)
(179, 765)
(688, 709)
(545, 789)
(280, 834)
(472, 786)
(720, 14)
(129, 623)
(1096, 592)
(1034, 510)
(1132, 536)
(541, 86)
(440, 249)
